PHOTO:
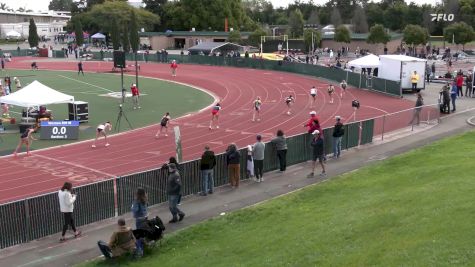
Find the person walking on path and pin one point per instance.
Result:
(338, 132)
(66, 205)
(163, 125)
(139, 208)
(318, 153)
(331, 91)
(468, 85)
(174, 193)
(258, 150)
(207, 163)
(257, 109)
(280, 144)
(174, 66)
(453, 95)
(233, 159)
(343, 86)
(80, 69)
(135, 95)
(459, 81)
(417, 110)
(313, 95)
(414, 80)
(121, 242)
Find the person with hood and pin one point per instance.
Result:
(121, 242)
(280, 144)
(207, 163)
(66, 205)
(174, 193)
(233, 159)
(318, 153)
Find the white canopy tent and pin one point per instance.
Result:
(369, 61)
(34, 95)
(13, 34)
(98, 36)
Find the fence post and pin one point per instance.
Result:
(27, 224)
(384, 122)
(116, 198)
(360, 82)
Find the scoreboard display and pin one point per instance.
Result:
(59, 130)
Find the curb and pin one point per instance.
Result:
(471, 121)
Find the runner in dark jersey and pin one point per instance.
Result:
(163, 125)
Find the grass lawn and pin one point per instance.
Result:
(157, 98)
(416, 209)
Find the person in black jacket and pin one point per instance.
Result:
(318, 153)
(338, 132)
(178, 167)
(174, 193)
(207, 163)
(233, 158)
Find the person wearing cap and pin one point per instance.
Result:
(135, 95)
(121, 242)
(207, 163)
(313, 116)
(174, 193)
(174, 66)
(338, 132)
(318, 153)
(258, 150)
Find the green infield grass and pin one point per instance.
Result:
(157, 97)
(416, 209)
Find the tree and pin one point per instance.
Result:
(460, 33)
(234, 37)
(3, 6)
(60, 5)
(378, 35)
(79, 32)
(157, 7)
(115, 35)
(313, 18)
(360, 25)
(134, 32)
(336, 18)
(374, 14)
(308, 34)
(296, 23)
(342, 34)
(125, 38)
(415, 35)
(255, 37)
(394, 16)
(33, 38)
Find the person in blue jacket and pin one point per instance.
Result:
(453, 94)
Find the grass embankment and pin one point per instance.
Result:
(416, 209)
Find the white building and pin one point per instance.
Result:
(48, 24)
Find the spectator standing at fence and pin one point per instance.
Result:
(417, 110)
(258, 150)
(207, 163)
(444, 99)
(315, 126)
(318, 153)
(338, 132)
(343, 86)
(121, 242)
(174, 66)
(66, 205)
(280, 144)
(178, 167)
(250, 162)
(233, 159)
(139, 208)
(414, 80)
(313, 95)
(468, 85)
(174, 193)
(453, 94)
(459, 81)
(331, 91)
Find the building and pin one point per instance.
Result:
(183, 39)
(48, 23)
(358, 40)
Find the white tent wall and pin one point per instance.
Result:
(400, 68)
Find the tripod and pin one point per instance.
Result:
(119, 119)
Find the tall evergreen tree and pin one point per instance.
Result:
(336, 18)
(134, 32)
(79, 32)
(125, 38)
(115, 34)
(33, 38)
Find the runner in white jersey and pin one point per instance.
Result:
(313, 94)
(257, 109)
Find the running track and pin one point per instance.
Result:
(138, 150)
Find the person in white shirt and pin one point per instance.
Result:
(101, 130)
(66, 205)
(313, 94)
(343, 86)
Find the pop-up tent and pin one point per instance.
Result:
(13, 34)
(369, 61)
(211, 47)
(98, 36)
(34, 95)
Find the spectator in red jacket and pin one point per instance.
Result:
(174, 66)
(135, 95)
(315, 126)
(459, 81)
(313, 116)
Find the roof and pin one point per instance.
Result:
(369, 61)
(35, 14)
(210, 46)
(189, 33)
(362, 36)
(402, 58)
(36, 94)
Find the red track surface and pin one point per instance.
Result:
(138, 150)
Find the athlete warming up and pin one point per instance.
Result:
(163, 125)
(343, 86)
(313, 95)
(101, 131)
(215, 116)
(257, 109)
(174, 66)
(331, 91)
(289, 101)
(26, 138)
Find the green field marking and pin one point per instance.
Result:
(161, 96)
(414, 209)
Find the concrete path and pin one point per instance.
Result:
(49, 252)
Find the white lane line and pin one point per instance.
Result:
(75, 165)
(85, 83)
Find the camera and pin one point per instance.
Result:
(355, 104)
